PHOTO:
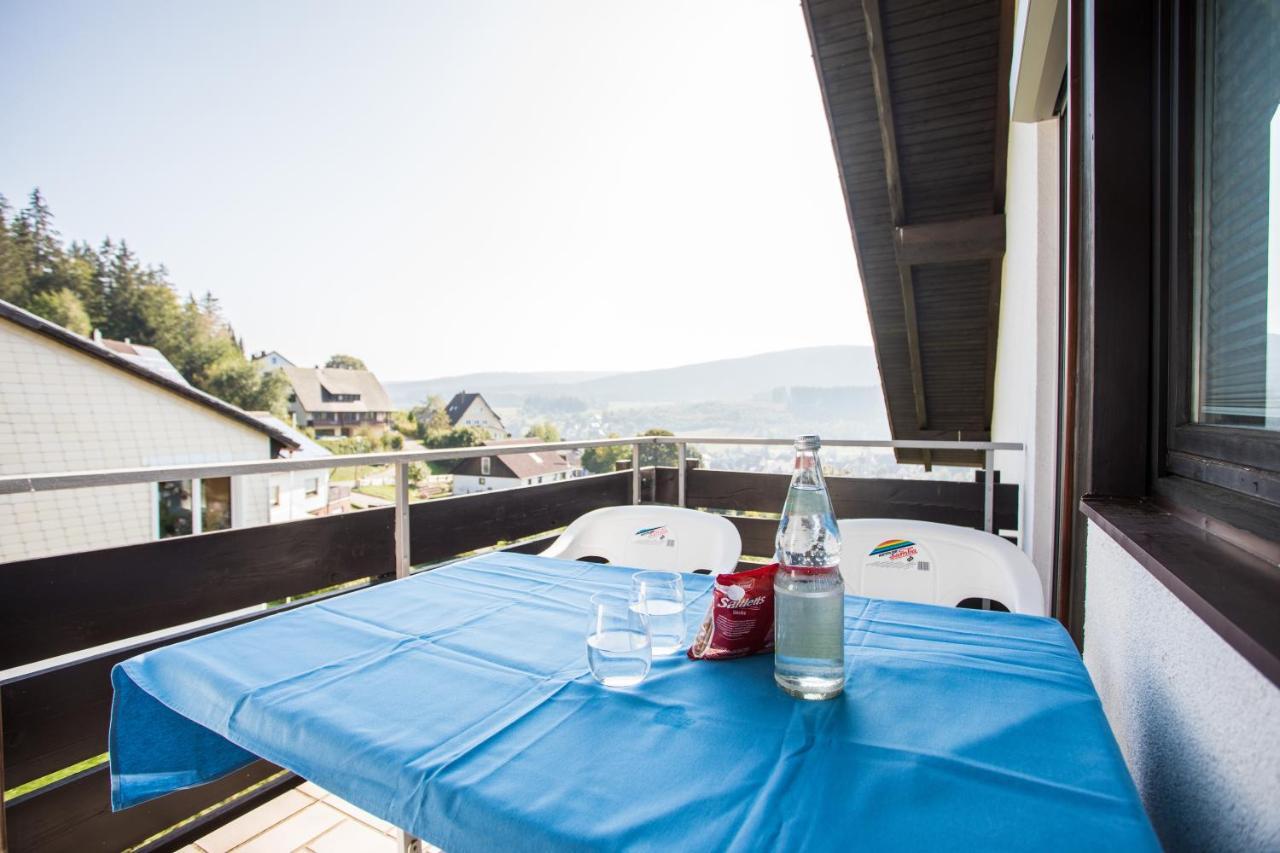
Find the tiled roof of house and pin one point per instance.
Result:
(310, 383)
(53, 331)
(521, 465)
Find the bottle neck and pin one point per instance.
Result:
(808, 470)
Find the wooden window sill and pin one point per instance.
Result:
(1236, 593)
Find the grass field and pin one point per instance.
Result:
(387, 493)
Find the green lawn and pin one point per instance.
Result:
(385, 492)
(350, 472)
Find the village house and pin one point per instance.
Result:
(472, 410)
(68, 403)
(298, 494)
(268, 361)
(336, 402)
(509, 470)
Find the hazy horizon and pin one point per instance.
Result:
(453, 187)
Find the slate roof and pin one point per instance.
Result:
(53, 331)
(148, 357)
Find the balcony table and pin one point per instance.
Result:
(457, 704)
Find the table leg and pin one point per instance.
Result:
(406, 843)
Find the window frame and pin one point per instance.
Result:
(197, 507)
(1231, 474)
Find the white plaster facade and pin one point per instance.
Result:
(466, 484)
(1199, 726)
(298, 494)
(480, 415)
(1026, 382)
(63, 410)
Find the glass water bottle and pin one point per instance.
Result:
(808, 660)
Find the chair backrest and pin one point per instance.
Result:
(935, 563)
(652, 537)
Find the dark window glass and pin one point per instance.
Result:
(1237, 247)
(215, 504)
(175, 508)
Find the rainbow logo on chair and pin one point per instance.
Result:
(889, 545)
(658, 533)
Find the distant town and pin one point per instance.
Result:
(160, 379)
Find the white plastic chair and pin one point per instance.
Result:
(933, 563)
(662, 538)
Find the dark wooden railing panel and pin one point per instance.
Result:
(758, 535)
(449, 526)
(56, 605)
(75, 815)
(44, 732)
(852, 497)
(116, 593)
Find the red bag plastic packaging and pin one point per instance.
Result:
(740, 620)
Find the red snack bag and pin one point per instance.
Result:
(740, 619)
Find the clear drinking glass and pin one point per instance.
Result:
(660, 596)
(619, 647)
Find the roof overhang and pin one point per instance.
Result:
(916, 96)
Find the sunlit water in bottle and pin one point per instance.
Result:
(619, 658)
(809, 643)
(666, 624)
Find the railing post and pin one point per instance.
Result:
(402, 520)
(989, 492)
(635, 473)
(680, 473)
(4, 843)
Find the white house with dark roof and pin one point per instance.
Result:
(68, 404)
(336, 402)
(472, 410)
(509, 470)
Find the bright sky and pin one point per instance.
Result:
(447, 187)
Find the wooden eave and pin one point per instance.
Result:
(916, 96)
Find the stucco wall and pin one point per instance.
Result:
(1026, 382)
(61, 410)
(1198, 725)
(294, 501)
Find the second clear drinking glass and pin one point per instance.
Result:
(619, 648)
(660, 596)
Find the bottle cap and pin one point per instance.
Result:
(808, 442)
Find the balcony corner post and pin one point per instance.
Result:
(989, 491)
(402, 520)
(635, 473)
(682, 474)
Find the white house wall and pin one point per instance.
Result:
(478, 414)
(466, 484)
(1026, 381)
(294, 501)
(61, 410)
(1198, 725)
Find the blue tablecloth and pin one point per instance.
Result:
(457, 704)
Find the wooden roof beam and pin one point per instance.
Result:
(897, 208)
(1003, 61)
(975, 239)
